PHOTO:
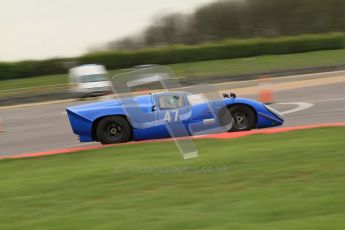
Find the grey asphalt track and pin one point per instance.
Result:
(45, 127)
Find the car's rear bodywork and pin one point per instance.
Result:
(148, 120)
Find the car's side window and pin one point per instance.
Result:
(171, 101)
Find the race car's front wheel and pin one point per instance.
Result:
(243, 118)
(114, 129)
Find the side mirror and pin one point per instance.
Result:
(225, 95)
(232, 95)
(154, 108)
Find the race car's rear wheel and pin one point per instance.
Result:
(114, 129)
(243, 118)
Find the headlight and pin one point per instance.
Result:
(275, 112)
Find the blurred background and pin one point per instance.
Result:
(202, 41)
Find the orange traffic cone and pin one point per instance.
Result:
(265, 90)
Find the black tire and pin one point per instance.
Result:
(112, 130)
(244, 118)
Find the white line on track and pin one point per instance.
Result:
(305, 105)
(300, 106)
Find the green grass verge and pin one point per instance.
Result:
(287, 181)
(34, 82)
(268, 63)
(214, 68)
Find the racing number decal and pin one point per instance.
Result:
(167, 117)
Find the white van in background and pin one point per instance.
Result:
(89, 80)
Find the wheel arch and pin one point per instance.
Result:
(96, 121)
(248, 106)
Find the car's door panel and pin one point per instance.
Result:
(175, 120)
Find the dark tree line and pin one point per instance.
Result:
(240, 19)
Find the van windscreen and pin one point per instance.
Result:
(93, 78)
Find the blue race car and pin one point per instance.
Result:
(157, 115)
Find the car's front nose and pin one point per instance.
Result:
(275, 113)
